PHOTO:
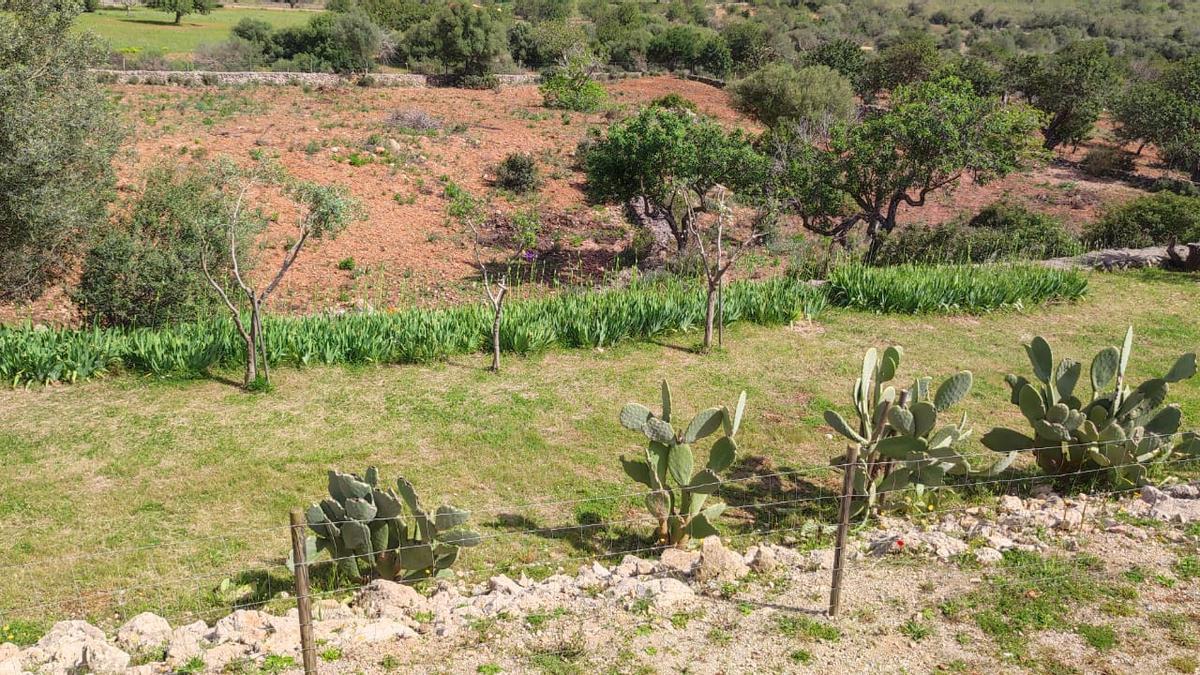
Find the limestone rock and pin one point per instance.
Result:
(388, 599)
(678, 561)
(718, 564)
(101, 657)
(144, 631)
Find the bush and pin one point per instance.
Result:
(519, 173)
(59, 131)
(571, 86)
(812, 95)
(1107, 162)
(1146, 221)
(674, 101)
(411, 119)
(147, 270)
(1001, 231)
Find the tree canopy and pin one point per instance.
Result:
(934, 134)
(669, 159)
(58, 134)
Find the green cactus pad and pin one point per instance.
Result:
(723, 454)
(704, 424)
(680, 462)
(1006, 440)
(952, 390)
(839, 424)
(448, 517)
(1183, 368)
(1041, 358)
(634, 416)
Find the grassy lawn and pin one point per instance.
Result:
(146, 29)
(132, 463)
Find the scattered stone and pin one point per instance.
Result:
(632, 566)
(678, 561)
(101, 657)
(988, 555)
(718, 564)
(502, 584)
(374, 632)
(63, 648)
(144, 631)
(247, 626)
(184, 644)
(1163, 505)
(388, 599)
(664, 592)
(1011, 504)
(224, 654)
(761, 559)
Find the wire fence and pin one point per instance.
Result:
(206, 577)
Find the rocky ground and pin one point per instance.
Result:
(1045, 584)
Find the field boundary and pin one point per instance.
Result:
(197, 78)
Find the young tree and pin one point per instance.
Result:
(664, 154)
(717, 259)
(934, 134)
(1166, 113)
(469, 211)
(324, 212)
(181, 8)
(1071, 86)
(911, 58)
(58, 134)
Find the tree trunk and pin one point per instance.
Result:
(261, 338)
(251, 360)
(710, 310)
(178, 16)
(498, 305)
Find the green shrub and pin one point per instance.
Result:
(1107, 162)
(674, 101)
(917, 289)
(147, 270)
(815, 95)
(1001, 231)
(385, 529)
(571, 89)
(518, 172)
(1146, 221)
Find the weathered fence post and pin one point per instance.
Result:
(839, 551)
(308, 650)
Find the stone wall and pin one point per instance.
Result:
(195, 78)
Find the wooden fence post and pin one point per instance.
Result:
(839, 551)
(308, 649)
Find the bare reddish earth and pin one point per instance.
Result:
(407, 252)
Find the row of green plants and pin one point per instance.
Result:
(642, 310)
(903, 457)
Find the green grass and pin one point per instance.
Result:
(172, 486)
(921, 289)
(804, 627)
(1031, 593)
(145, 29)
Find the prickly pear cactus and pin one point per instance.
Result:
(388, 530)
(902, 452)
(1117, 431)
(680, 497)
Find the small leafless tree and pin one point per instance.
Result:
(496, 288)
(324, 212)
(718, 259)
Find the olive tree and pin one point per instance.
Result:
(181, 8)
(1166, 113)
(815, 94)
(1070, 86)
(58, 134)
(934, 134)
(668, 159)
(324, 211)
